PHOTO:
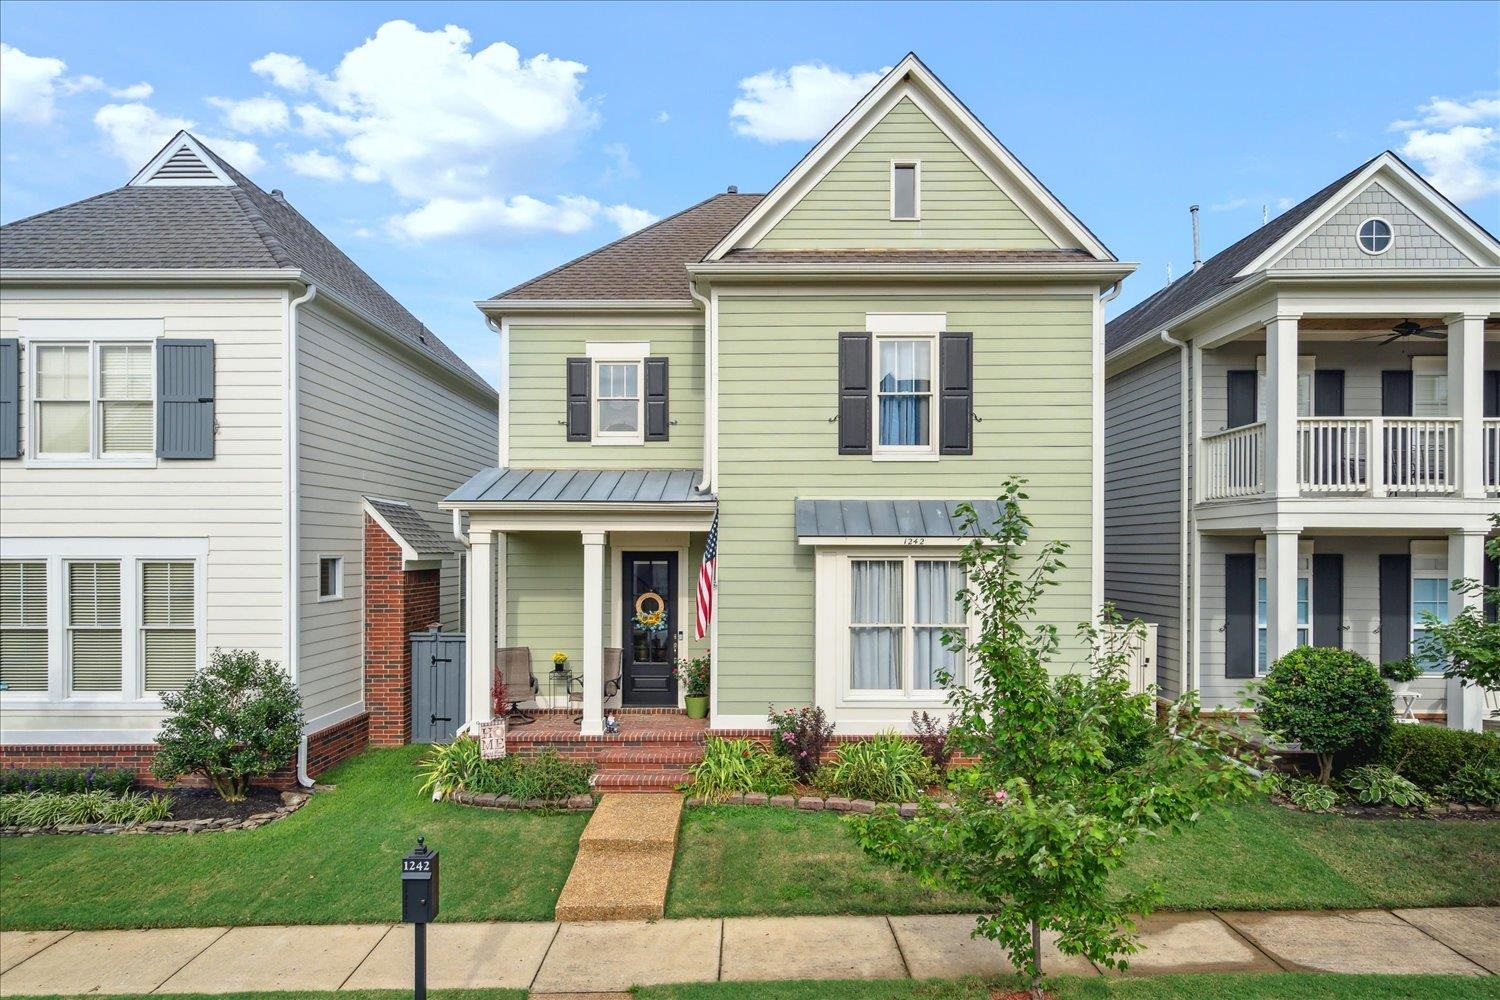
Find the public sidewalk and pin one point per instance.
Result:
(600, 957)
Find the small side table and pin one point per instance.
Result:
(557, 682)
(1405, 715)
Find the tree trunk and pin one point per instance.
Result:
(1325, 768)
(1037, 992)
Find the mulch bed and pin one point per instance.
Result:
(204, 803)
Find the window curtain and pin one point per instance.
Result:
(905, 379)
(937, 611)
(875, 625)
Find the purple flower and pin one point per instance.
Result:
(1000, 796)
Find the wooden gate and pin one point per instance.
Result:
(437, 685)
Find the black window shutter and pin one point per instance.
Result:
(1241, 388)
(1328, 600)
(1492, 393)
(580, 372)
(1239, 615)
(1491, 580)
(1328, 393)
(956, 394)
(657, 417)
(184, 399)
(854, 393)
(10, 398)
(1395, 396)
(1395, 607)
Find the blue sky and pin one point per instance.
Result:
(454, 150)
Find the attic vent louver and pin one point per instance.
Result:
(181, 163)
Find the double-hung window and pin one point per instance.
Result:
(1304, 604)
(95, 648)
(900, 609)
(904, 406)
(169, 633)
(1429, 387)
(93, 401)
(1430, 588)
(617, 401)
(23, 625)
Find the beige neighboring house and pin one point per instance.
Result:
(1304, 439)
(205, 406)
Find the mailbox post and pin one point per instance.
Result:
(419, 903)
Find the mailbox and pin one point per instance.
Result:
(419, 884)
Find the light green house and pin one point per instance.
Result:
(908, 318)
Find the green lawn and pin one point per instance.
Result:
(336, 860)
(738, 860)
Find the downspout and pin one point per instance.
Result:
(1098, 586)
(293, 532)
(502, 330)
(710, 388)
(1186, 621)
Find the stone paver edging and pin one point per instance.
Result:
(812, 803)
(487, 800)
(594, 958)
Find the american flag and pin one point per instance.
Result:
(706, 580)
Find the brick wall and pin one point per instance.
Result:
(397, 603)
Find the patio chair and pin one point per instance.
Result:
(612, 672)
(513, 665)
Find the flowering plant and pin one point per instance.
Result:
(559, 660)
(801, 734)
(693, 674)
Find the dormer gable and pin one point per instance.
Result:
(182, 162)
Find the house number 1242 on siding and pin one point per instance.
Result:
(916, 541)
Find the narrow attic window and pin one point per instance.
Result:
(905, 197)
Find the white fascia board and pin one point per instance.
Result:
(515, 307)
(1106, 273)
(148, 276)
(551, 509)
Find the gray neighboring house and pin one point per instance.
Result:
(205, 406)
(1303, 439)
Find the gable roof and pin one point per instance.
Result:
(208, 224)
(407, 529)
(1239, 261)
(648, 265)
(910, 78)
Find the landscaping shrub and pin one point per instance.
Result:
(1376, 785)
(801, 735)
(931, 735)
(1329, 700)
(733, 766)
(115, 780)
(459, 766)
(1402, 671)
(1310, 795)
(1429, 756)
(241, 718)
(98, 806)
(886, 768)
(449, 767)
(1475, 783)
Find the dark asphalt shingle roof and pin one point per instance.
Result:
(412, 527)
(907, 256)
(889, 518)
(649, 264)
(562, 486)
(240, 226)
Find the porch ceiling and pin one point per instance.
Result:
(557, 487)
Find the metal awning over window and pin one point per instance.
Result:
(581, 486)
(821, 522)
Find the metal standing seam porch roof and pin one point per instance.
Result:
(890, 518)
(583, 486)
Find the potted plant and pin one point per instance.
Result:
(560, 661)
(1400, 673)
(693, 675)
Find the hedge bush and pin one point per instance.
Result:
(1430, 756)
(1328, 700)
(114, 780)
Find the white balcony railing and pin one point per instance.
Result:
(1333, 454)
(1492, 456)
(1234, 462)
(1420, 454)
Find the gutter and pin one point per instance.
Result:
(1189, 682)
(710, 385)
(293, 533)
(1111, 272)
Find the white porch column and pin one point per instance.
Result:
(1466, 400)
(1281, 407)
(593, 633)
(1465, 561)
(480, 627)
(1281, 593)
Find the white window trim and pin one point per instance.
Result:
(1429, 561)
(1304, 572)
(1390, 241)
(634, 353)
(916, 203)
(338, 590)
(95, 458)
(130, 553)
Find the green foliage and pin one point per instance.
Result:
(241, 718)
(1468, 644)
(931, 734)
(1071, 769)
(98, 806)
(731, 766)
(1476, 783)
(802, 736)
(1310, 796)
(693, 673)
(886, 768)
(1377, 785)
(1402, 671)
(450, 767)
(1328, 700)
(459, 766)
(115, 780)
(1431, 755)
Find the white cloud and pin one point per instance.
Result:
(801, 103)
(457, 217)
(287, 72)
(318, 165)
(1456, 145)
(662, 118)
(134, 92)
(71, 85)
(253, 114)
(621, 167)
(629, 219)
(28, 85)
(136, 132)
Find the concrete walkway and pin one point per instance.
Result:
(550, 958)
(624, 860)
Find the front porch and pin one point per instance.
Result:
(651, 752)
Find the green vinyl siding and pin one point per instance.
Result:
(960, 206)
(538, 354)
(778, 369)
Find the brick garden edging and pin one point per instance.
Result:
(488, 800)
(291, 802)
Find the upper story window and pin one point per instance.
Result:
(617, 399)
(1429, 387)
(906, 191)
(93, 400)
(1375, 236)
(904, 399)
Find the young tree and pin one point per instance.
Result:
(240, 718)
(1469, 642)
(1071, 769)
(1328, 700)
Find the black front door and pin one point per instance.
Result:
(649, 596)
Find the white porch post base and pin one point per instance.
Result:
(593, 634)
(481, 628)
(1281, 594)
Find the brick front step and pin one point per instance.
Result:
(664, 780)
(649, 758)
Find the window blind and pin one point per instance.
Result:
(127, 420)
(169, 642)
(23, 626)
(94, 645)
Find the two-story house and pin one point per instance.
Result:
(216, 431)
(908, 318)
(1304, 438)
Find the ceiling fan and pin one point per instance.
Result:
(1406, 328)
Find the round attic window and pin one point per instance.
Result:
(1375, 236)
